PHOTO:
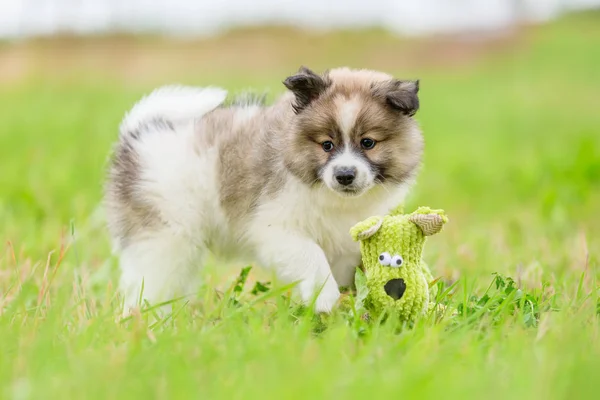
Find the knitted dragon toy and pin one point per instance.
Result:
(397, 278)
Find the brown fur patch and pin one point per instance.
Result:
(247, 165)
(129, 211)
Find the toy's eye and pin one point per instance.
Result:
(396, 261)
(385, 259)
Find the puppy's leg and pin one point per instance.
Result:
(344, 268)
(158, 267)
(297, 258)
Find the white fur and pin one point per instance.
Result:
(347, 113)
(302, 232)
(365, 179)
(246, 113)
(176, 103)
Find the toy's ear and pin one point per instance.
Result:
(429, 221)
(366, 229)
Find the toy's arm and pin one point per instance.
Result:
(426, 271)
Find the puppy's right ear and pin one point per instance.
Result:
(306, 86)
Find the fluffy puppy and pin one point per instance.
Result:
(280, 185)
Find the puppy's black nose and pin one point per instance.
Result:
(345, 176)
(395, 288)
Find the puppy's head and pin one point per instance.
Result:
(353, 129)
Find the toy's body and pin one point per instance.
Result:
(397, 278)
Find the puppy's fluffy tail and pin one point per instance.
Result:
(171, 105)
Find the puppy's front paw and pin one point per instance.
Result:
(328, 297)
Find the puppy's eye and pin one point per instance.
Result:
(327, 146)
(385, 259)
(396, 261)
(367, 143)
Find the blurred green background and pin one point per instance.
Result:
(512, 128)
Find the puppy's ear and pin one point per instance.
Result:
(306, 86)
(400, 95)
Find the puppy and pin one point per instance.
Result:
(280, 185)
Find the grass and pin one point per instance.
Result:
(512, 155)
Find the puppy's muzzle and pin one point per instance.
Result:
(345, 175)
(395, 288)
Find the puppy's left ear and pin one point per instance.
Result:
(306, 86)
(400, 95)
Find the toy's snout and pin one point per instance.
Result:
(395, 288)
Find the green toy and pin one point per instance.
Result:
(397, 278)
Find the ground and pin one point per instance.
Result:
(512, 133)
